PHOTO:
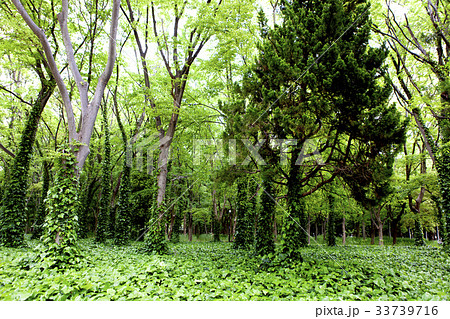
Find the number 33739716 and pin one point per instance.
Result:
(406, 310)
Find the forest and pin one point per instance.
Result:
(224, 150)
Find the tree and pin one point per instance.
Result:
(89, 109)
(12, 212)
(317, 83)
(430, 47)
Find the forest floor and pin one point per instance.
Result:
(215, 271)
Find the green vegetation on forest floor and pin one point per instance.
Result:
(214, 271)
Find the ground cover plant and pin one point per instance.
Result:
(215, 271)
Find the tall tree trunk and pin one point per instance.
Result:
(364, 229)
(12, 214)
(380, 234)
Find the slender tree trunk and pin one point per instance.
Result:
(317, 230)
(364, 229)
(190, 227)
(372, 233)
(343, 231)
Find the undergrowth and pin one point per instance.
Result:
(215, 271)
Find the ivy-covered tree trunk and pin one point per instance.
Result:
(418, 233)
(443, 167)
(155, 240)
(331, 225)
(60, 228)
(243, 236)
(264, 243)
(12, 212)
(122, 233)
(294, 235)
(104, 209)
(253, 206)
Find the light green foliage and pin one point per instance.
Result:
(59, 242)
(215, 271)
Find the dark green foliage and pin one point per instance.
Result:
(264, 243)
(41, 212)
(244, 236)
(155, 240)
(59, 242)
(104, 208)
(331, 224)
(12, 212)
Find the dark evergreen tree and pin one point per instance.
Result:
(104, 207)
(317, 81)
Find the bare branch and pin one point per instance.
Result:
(7, 151)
